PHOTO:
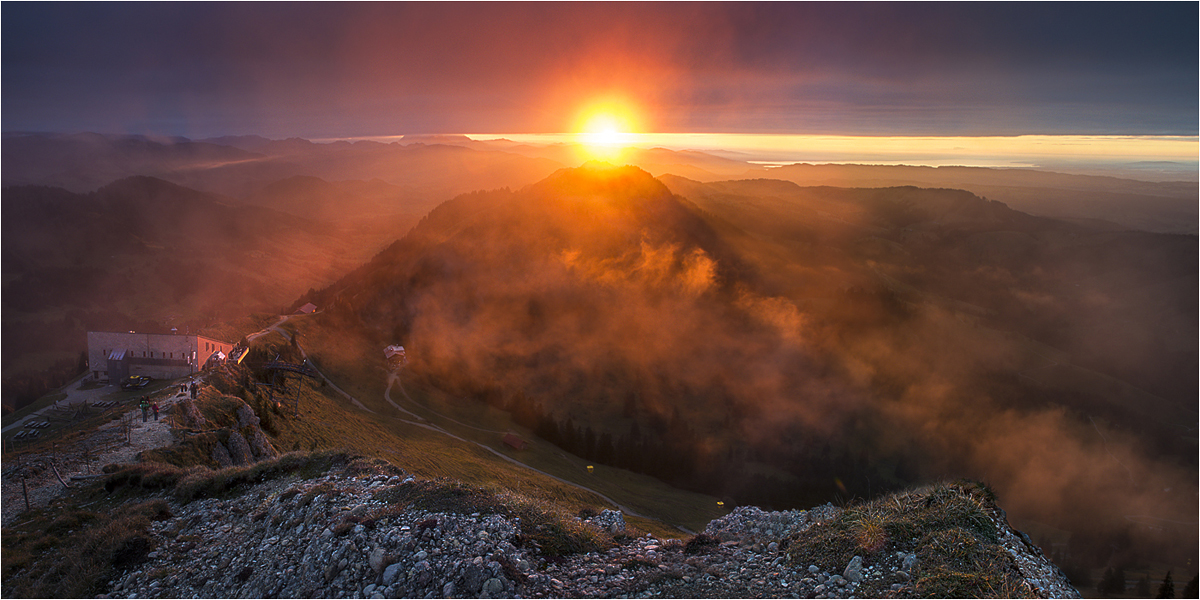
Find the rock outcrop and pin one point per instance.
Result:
(240, 444)
(190, 416)
(346, 536)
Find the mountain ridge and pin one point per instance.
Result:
(326, 523)
(820, 327)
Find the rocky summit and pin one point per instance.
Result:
(365, 529)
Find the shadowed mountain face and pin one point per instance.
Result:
(591, 273)
(785, 346)
(149, 255)
(1120, 302)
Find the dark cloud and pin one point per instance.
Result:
(319, 69)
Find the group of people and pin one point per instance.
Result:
(184, 387)
(147, 405)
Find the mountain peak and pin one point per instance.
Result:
(596, 178)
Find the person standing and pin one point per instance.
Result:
(145, 406)
(154, 407)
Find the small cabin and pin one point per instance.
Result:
(515, 442)
(307, 309)
(395, 356)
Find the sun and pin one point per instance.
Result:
(604, 128)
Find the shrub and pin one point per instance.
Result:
(444, 495)
(638, 563)
(700, 543)
(149, 476)
(209, 483)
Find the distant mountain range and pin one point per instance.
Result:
(434, 168)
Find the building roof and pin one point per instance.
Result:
(515, 442)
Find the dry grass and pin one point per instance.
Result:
(356, 368)
(546, 527)
(74, 554)
(190, 483)
(948, 526)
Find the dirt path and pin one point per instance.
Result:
(394, 380)
(106, 445)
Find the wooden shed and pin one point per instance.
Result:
(516, 442)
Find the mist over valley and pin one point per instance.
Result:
(752, 338)
(600, 300)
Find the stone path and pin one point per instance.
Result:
(106, 445)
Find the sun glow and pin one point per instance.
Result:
(604, 128)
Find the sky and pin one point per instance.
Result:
(322, 70)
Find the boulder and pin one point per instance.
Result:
(245, 416)
(221, 455)
(392, 573)
(260, 446)
(239, 449)
(853, 570)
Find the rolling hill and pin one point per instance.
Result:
(1160, 207)
(780, 345)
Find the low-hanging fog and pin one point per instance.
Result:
(801, 349)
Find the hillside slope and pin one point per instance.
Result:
(782, 347)
(330, 524)
(144, 254)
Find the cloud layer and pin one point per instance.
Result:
(373, 69)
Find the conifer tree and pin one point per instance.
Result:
(1167, 589)
(1192, 589)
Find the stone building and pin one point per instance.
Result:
(115, 356)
